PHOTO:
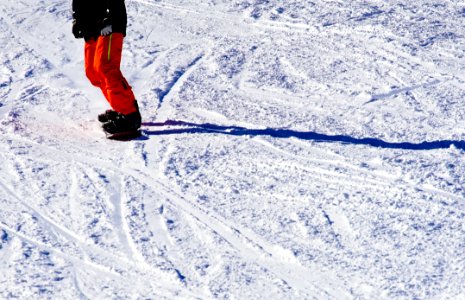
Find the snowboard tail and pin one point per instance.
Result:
(124, 135)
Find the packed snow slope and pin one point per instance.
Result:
(291, 150)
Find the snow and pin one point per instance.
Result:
(291, 150)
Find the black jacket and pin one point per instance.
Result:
(91, 16)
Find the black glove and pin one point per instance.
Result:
(77, 30)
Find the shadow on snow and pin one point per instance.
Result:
(303, 135)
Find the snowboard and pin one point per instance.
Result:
(124, 135)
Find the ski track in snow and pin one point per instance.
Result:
(216, 201)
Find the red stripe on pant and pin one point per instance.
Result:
(102, 66)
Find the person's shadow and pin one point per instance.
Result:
(187, 127)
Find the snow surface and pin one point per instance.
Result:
(293, 150)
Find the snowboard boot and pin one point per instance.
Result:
(123, 123)
(119, 123)
(108, 115)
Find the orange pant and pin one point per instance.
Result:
(102, 66)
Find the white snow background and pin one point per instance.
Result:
(292, 150)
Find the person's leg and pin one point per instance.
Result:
(90, 47)
(107, 62)
(92, 73)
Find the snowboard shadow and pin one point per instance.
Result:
(194, 128)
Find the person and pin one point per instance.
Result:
(102, 24)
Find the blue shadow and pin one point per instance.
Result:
(303, 135)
